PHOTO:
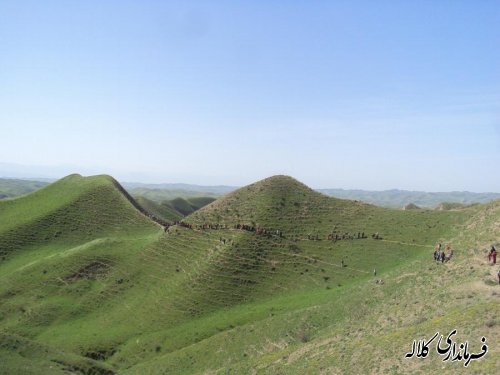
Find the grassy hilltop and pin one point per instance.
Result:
(89, 284)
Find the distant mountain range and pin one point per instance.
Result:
(10, 187)
(399, 198)
(167, 191)
(218, 189)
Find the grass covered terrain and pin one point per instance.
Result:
(88, 284)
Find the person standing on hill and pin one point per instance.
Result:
(493, 255)
(490, 253)
(449, 254)
(437, 251)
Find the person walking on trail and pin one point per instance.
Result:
(494, 255)
(490, 254)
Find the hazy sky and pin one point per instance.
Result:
(368, 94)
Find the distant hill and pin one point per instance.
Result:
(399, 198)
(163, 211)
(411, 206)
(175, 209)
(14, 187)
(216, 189)
(162, 192)
(453, 206)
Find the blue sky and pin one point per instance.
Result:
(347, 94)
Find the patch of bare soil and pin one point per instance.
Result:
(91, 271)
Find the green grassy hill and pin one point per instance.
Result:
(88, 284)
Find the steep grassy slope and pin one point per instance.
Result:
(57, 244)
(68, 211)
(122, 296)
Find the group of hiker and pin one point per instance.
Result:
(346, 236)
(269, 231)
(443, 255)
(245, 227)
(446, 254)
(259, 230)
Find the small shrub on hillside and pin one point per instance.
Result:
(303, 336)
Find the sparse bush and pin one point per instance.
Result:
(303, 336)
(491, 323)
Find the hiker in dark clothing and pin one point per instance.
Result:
(490, 254)
(442, 256)
(437, 251)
